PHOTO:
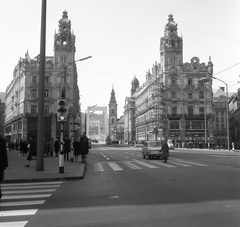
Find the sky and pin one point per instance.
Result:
(123, 38)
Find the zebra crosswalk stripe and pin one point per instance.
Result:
(13, 224)
(131, 165)
(52, 183)
(180, 164)
(135, 164)
(188, 162)
(30, 187)
(30, 191)
(115, 166)
(98, 167)
(20, 192)
(146, 164)
(8, 213)
(25, 196)
(163, 164)
(22, 203)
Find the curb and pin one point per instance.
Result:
(62, 178)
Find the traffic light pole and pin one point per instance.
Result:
(61, 155)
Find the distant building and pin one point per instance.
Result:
(2, 111)
(129, 114)
(22, 93)
(120, 130)
(220, 118)
(234, 119)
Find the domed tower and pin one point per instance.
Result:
(135, 85)
(171, 46)
(112, 106)
(64, 42)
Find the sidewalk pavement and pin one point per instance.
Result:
(17, 172)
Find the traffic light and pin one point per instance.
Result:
(62, 111)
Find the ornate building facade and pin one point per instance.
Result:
(22, 93)
(220, 118)
(234, 119)
(172, 102)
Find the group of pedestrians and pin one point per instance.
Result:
(81, 147)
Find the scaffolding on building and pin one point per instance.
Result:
(158, 104)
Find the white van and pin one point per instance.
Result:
(170, 144)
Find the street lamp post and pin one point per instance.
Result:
(227, 109)
(204, 80)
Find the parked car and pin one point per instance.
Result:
(152, 149)
(170, 144)
(94, 141)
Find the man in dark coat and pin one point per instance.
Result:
(84, 146)
(56, 147)
(32, 150)
(66, 147)
(3, 159)
(76, 148)
(165, 150)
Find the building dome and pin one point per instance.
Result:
(135, 80)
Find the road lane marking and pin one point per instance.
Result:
(131, 165)
(114, 166)
(98, 167)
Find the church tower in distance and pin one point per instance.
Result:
(112, 106)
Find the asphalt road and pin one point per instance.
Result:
(120, 188)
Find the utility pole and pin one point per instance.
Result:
(41, 91)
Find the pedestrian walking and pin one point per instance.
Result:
(3, 159)
(51, 147)
(165, 150)
(21, 147)
(84, 146)
(25, 147)
(66, 147)
(46, 150)
(32, 150)
(76, 148)
(56, 147)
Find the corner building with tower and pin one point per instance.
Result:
(172, 102)
(21, 114)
